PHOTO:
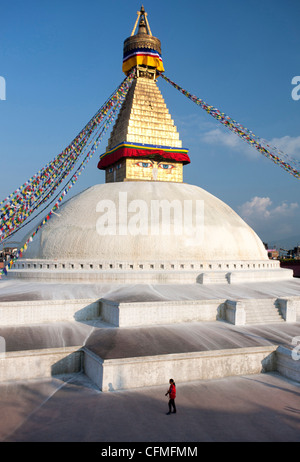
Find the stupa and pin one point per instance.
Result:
(145, 224)
(133, 268)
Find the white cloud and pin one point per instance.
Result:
(221, 136)
(285, 209)
(288, 144)
(218, 136)
(257, 207)
(193, 126)
(269, 220)
(261, 207)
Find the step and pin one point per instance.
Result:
(288, 362)
(125, 313)
(40, 364)
(263, 321)
(157, 312)
(135, 372)
(147, 371)
(26, 312)
(259, 311)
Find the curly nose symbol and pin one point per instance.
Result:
(154, 173)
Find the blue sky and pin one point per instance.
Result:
(62, 59)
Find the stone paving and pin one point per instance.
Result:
(262, 408)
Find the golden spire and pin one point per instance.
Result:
(142, 48)
(144, 142)
(143, 21)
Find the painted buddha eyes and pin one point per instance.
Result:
(144, 164)
(166, 166)
(150, 164)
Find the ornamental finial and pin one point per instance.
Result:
(143, 24)
(142, 48)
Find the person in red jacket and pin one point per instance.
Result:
(172, 395)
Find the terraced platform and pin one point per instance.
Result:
(45, 338)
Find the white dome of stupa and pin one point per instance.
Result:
(117, 222)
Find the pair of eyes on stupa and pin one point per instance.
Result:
(149, 164)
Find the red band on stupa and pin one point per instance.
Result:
(135, 150)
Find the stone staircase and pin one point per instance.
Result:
(262, 311)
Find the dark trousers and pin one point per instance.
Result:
(172, 405)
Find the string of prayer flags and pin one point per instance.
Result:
(16, 208)
(11, 221)
(261, 145)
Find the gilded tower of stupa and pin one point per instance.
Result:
(144, 143)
